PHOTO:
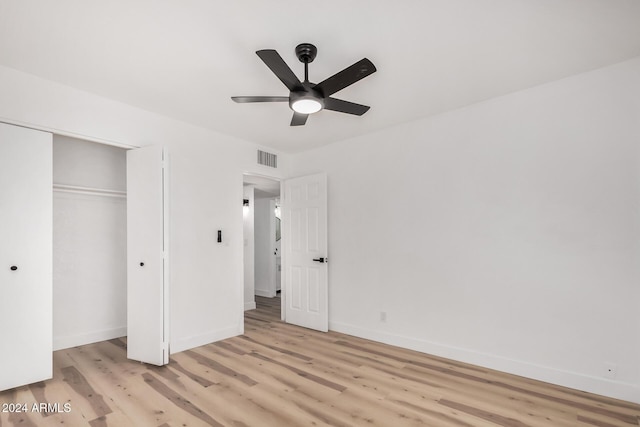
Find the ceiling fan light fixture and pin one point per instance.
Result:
(306, 106)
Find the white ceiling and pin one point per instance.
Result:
(185, 59)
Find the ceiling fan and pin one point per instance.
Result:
(305, 97)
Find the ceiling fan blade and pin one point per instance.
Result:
(243, 99)
(346, 77)
(334, 104)
(280, 68)
(299, 119)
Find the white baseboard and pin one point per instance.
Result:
(249, 305)
(60, 343)
(188, 343)
(602, 386)
(263, 293)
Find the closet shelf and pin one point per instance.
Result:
(62, 188)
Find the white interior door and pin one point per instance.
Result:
(147, 279)
(304, 244)
(26, 217)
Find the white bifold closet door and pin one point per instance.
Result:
(26, 229)
(147, 275)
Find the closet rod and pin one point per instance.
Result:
(62, 188)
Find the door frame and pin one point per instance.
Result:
(283, 259)
(280, 181)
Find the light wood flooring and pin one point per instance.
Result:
(281, 375)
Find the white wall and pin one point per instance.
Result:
(205, 173)
(264, 246)
(249, 249)
(89, 244)
(84, 163)
(505, 234)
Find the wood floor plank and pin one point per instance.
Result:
(219, 367)
(176, 399)
(485, 415)
(195, 377)
(81, 386)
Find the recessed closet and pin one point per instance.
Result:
(63, 248)
(89, 242)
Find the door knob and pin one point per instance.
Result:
(13, 268)
(321, 260)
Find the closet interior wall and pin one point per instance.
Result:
(89, 242)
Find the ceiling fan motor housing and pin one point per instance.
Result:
(306, 52)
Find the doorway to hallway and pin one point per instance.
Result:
(303, 249)
(262, 240)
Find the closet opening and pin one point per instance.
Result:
(89, 242)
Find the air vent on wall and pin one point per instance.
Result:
(267, 159)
